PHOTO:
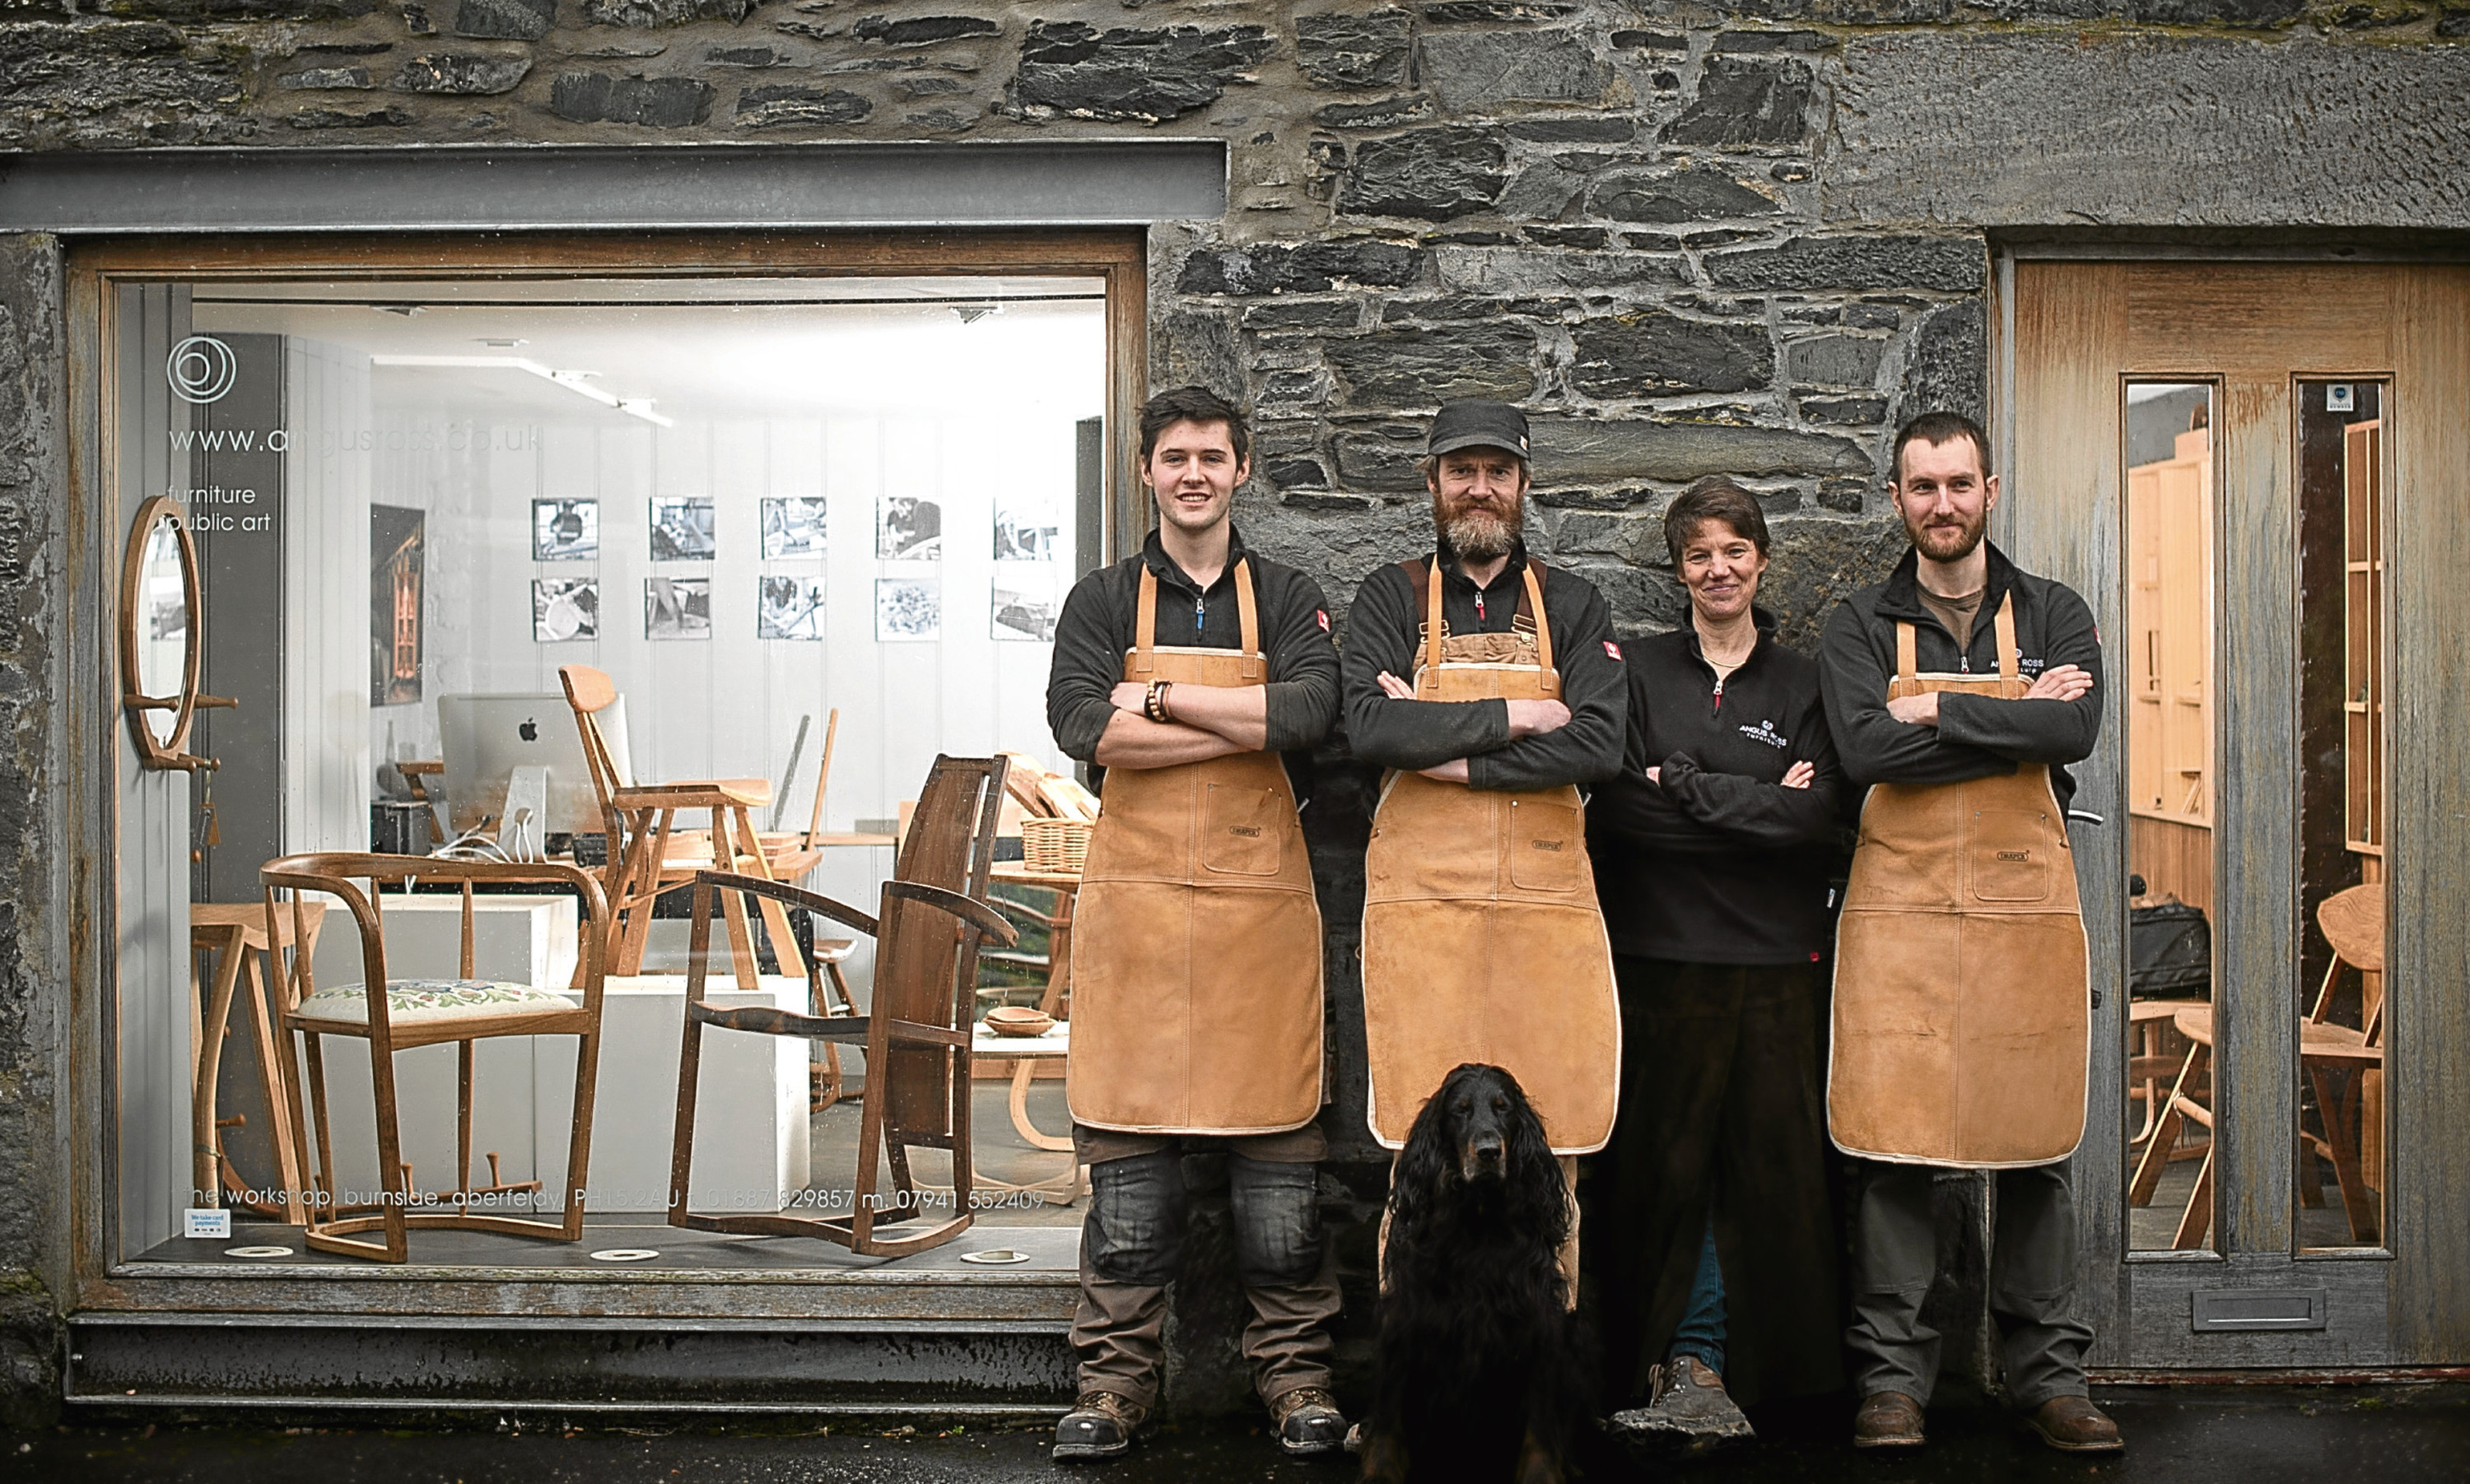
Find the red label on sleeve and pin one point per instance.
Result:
(1322, 614)
(1612, 649)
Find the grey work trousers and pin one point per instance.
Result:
(2032, 1284)
(1131, 1247)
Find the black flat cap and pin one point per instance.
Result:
(1472, 423)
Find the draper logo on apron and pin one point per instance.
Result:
(2015, 855)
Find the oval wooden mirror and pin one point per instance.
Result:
(162, 636)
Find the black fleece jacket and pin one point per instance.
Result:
(1718, 862)
(1099, 623)
(1385, 629)
(1976, 736)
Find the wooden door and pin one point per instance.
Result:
(2202, 565)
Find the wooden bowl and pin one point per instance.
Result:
(1017, 1020)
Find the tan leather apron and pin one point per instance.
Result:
(1962, 1006)
(1196, 945)
(1481, 938)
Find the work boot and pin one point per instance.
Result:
(2073, 1424)
(1687, 1414)
(1308, 1423)
(1099, 1425)
(1887, 1418)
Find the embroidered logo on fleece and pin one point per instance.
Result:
(1612, 649)
(1764, 731)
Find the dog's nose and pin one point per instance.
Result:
(1489, 1152)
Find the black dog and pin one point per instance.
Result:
(1481, 1375)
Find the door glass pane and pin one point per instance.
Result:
(2168, 669)
(2340, 1149)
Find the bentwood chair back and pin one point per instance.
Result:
(931, 920)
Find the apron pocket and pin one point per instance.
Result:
(2009, 855)
(1545, 849)
(1241, 831)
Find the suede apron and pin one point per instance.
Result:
(1196, 945)
(1481, 938)
(1962, 1019)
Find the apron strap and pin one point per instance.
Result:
(1534, 573)
(1907, 662)
(1145, 624)
(2010, 665)
(1248, 611)
(1431, 585)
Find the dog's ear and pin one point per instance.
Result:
(1534, 1171)
(1428, 1162)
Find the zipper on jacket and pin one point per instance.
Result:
(1479, 605)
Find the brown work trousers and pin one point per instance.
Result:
(1131, 1246)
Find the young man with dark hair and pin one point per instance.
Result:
(1958, 690)
(1185, 671)
(1492, 690)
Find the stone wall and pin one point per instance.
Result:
(1742, 236)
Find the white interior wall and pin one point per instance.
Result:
(327, 766)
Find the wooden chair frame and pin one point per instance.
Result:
(640, 823)
(881, 1129)
(329, 1226)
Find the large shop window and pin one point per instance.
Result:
(813, 528)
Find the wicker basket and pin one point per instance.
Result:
(1056, 846)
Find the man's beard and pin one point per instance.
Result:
(1479, 535)
(1942, 544)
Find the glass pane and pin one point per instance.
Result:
(2341, 1175)
(761, 507)
(2168, 669)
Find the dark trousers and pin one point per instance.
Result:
(1131, 1247)
(2031, 1282)
(1721, 1114)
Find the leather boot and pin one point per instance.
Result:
(1099, 1425)
(1887, 1418)
(1308, 1422)
(2073, 1424)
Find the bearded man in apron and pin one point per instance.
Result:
(1185, 671)
(1957, 690)
(1492, 689)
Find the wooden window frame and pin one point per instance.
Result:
(97, 1281)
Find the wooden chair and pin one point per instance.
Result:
(641, 821)
(2353, 922)
(931, 920)
(397, 1014)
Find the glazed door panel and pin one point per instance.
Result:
(2258, 475)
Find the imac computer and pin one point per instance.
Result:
(486, 738)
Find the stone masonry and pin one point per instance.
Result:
(1714, 236)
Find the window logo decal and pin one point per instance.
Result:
(201, 369)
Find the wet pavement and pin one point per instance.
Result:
(2243, 1435)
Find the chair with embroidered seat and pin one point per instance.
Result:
(426, 1011)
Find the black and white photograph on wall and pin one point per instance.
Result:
(566, 530)
(1024, 604)
(682, 529)
(793, 526)
(398, 554)
(909, 528)
(908, 609)
(677, 608)
(1027, 527)
(792, 609)
(565, 608)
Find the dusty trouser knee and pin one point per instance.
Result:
(1135, 1228)
(1278, 1221)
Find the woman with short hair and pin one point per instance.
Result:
(1714, 850)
